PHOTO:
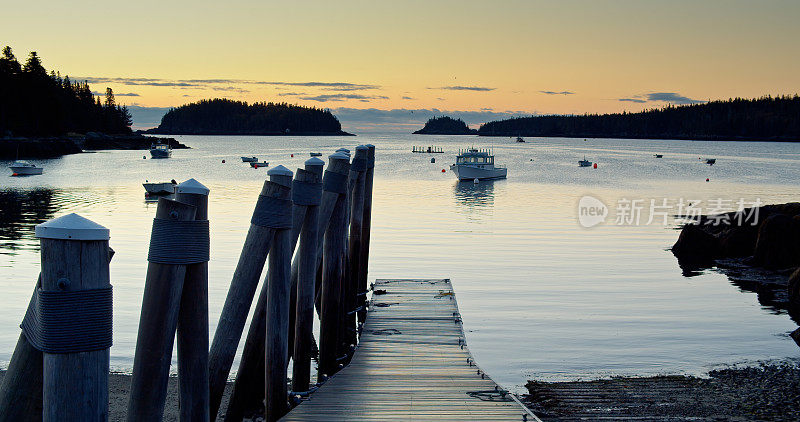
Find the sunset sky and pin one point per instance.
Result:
(485, 59)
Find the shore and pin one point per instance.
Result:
(119, 386)
(27, 148)
(766, 393)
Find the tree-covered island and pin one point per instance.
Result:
(445, 125)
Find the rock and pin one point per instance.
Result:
(794, 289)
(696, 246)
(796, 336)
(738, 241)
(776, 244)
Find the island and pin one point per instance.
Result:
(445, 125)
(43, 115)
(760, 119)
(221, 116)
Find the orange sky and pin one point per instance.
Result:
(521, 56)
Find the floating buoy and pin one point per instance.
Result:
(475, 181)
(144, 157)
(292, 155)
(444, 171)
(223, 161)
(595, 165)
(433, 160)
(706, 179)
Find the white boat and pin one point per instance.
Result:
(477, 164)
(256, 165)
(166, 188)
(249, 159)
(159, 150)
(24, 168)
(584, 162)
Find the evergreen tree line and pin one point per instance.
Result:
(446, 125)
(35, 103)
(765, 118)
(226, 117)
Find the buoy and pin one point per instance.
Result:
(706, 179)
(433, 160)
(595, 165)
(443, 171)
(15, 174)
(475, 181)
(223, 161)
(144, 157)
(292, 155)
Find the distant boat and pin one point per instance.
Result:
(519, 139)
(316, 154)
(475, 164)
(159, 150)
(584, 162)
(659, 155)
(249, 159)
(166, 188)
(427, 150)
(24, 168)
(256, 165)
(711, 161)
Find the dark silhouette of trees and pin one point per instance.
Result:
(445, 125)
(229, 117)
(765, 118)
(35, 103)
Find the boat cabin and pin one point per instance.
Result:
(475, 156)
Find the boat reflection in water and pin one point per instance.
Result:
(20, 212)
(475, 197)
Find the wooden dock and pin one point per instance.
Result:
(412, 363)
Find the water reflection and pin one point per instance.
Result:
(475, 197)
(20, 212)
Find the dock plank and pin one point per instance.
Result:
(410, 365)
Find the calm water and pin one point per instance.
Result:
(541, 296)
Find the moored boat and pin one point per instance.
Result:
(256, 165)
(472, 164)
(159, 150)
(316, 154)
(584, 162)
(249, 159)
(24, 168)
(165, 188)
(519, 139)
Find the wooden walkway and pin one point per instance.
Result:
(412, 364)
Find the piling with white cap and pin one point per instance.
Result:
(75, 383)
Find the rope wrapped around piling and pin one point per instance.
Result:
(359, 164)
(69, 322)
(273, 213)
(179, 242)
(334, 182)
(306, 193)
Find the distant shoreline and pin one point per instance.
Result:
(650, 138)
(54, 147)
(181, 133)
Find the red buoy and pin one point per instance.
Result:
(595, 165)
(292, 155)
(443, 171)
(706, 179)
(223, 161)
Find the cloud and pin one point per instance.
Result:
(286, 94)
(407, 98)
(230, 89)
(665, 97)
(117, 94)
(557, 92)
(341, 97)
(204, 83)
(465, 88)
(671, 97)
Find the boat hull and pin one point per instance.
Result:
(249, 159)
(159, 188)
(480, 173)
(26, 171)
(160, 153)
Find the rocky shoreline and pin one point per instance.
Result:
(766, 393)
(26, 148)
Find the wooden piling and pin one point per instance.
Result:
(277, 318)
(366, 226)
(74, 255)
(237, 303)
(248, 389)
(351, 300)
(157, 325)
(192, 330)
(306, 259)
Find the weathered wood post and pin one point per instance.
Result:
(366, 225)
(277, 331)
(249, 388)
(21, 388)
(352, 291)
(308, 195)
(192, 328)
(239, 299)
(332, 272)
(175, 242)
(71, 323)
